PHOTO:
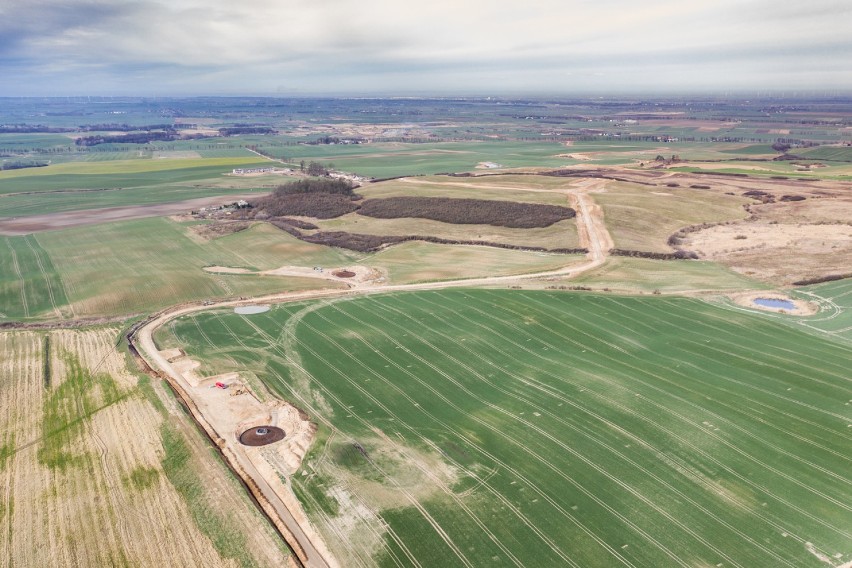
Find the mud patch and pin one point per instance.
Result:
(344, 273)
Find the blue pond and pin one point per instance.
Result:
(775, 303)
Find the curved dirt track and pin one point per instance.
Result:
(308, 544)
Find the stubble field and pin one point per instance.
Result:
(98, 470)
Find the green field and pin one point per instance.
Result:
(835, 317)
(422, 262)
(647, 275)
(387, 159)
(555, 429)
(30, 286)
(122, 182)
(141, 266)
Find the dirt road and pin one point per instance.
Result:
(593, 235)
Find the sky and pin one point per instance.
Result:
(402, 47)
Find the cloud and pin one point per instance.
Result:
(195, 46)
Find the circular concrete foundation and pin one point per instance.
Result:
(261, 436)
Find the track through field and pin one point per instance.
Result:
(541, 428)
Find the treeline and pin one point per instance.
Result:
(134, 138)
(126, 127)
(467, 211)
(31, 129)
(18, 165)
(677, 255)
(238, 130)
(821, 279)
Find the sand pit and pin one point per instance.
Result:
(262, 436)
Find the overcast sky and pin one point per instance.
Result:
(292, 47)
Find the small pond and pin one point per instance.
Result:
(249, 310)
(775, 303)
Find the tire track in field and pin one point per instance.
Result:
(768, 345)
(307, 404)
(340, 402)
(725, 442)
(750, 416)
(697, 368)
(460, 364)
(521, 446)
(663, 392)
(686, 443)
(668, 410)
(343, 541)
(657, 453)
(17, 269)
(44, 276)
(719, 417)
(719, 339)
(411, 498)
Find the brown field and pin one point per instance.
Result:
(96, 472)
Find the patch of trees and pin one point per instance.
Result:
(792, 198)
(133, 138)
(318, 205)
(699, 186)
(762, 196)
(330, 185)
(314, 169)
(324, 198)
(677, 255)
(18, 165)
(467, 211)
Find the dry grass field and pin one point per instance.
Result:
(100, 470)
(642, 218)
(785, 241)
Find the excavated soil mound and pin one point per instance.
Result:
(344, 274)
(261, 436)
